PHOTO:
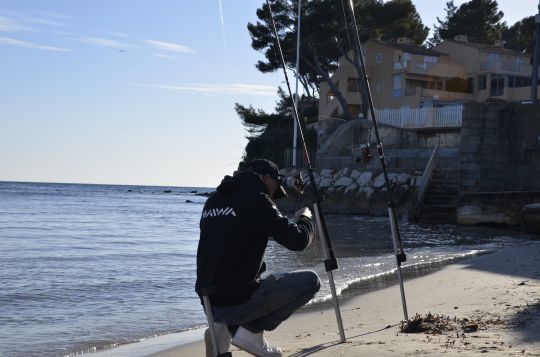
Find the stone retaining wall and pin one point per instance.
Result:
(351, 191)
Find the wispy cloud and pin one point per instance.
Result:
(168, 46)
(53, 14)
(164, 56)
(116, 34)
(8, 24)
(211, 89)
(104, 42)
(18, 43)
(15, 21)
(45, 21)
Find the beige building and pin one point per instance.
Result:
(496, 72)
(402, 75)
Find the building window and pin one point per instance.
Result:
(482, 82)
(497, 85)
(470, 85)
(352, 85)
(330, 96)
(493, 57)
(377, 87)
(518, 82)
(378, 58)
(430, 59)
(398, 85)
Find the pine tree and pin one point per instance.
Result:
(443, 24)
(480, 20)
(520, 36)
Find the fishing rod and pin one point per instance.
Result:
(330, 262)
(398, 243)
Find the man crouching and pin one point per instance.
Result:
(236, 224)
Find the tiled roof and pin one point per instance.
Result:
(489, 48)
(413, 49)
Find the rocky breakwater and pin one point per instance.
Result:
(351, 191)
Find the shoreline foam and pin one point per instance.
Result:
(504, 287)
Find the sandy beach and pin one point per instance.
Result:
(489, 304)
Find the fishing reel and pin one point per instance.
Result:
(298, 183)
(366, 154)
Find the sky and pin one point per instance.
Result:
(136, 91)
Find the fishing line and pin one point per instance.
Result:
(330, 263)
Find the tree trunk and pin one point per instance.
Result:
(339, 96)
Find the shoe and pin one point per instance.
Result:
(254, 343)
(223, 337)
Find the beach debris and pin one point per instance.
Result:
(435, 324)
(470, 327)
(429, 323)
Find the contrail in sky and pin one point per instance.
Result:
(223, 31)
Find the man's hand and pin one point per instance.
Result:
(305, 211)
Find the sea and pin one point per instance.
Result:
(85, 268)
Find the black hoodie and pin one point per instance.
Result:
(236, 223)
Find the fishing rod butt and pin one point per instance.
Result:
(339, 320)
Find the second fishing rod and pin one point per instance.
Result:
(330, 262)
(394, 226)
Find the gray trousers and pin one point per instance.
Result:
(276, 298)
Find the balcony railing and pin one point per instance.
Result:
(506, 67)
(421, 118)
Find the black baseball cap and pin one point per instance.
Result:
(267, 167)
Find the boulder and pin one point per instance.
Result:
(343, 181)
(326, 173)
(392, 177)
(475, 215)
(325, 182)
(403, 178)
(378, 182)
(530, 216)
(355, 174)
(365, 178)
(351, 188)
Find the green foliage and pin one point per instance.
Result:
(480, 20)
(327, 33)
(399, 18)
(270, 134)
(443, 24)
(520, 36)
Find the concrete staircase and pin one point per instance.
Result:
(440, 201)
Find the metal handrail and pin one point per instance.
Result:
(428, 174)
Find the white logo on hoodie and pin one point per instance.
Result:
(214, 212)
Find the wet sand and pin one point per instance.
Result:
(489, 304)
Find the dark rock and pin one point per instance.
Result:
(204, 194)
(167, 191)
(530, 215)
(189, 201)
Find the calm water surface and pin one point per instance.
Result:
(85, 267)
